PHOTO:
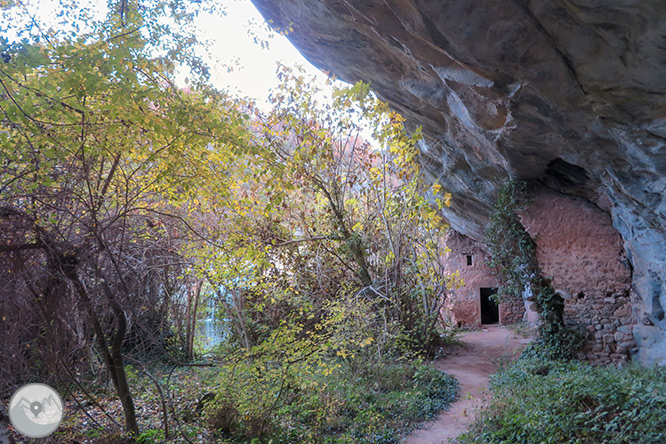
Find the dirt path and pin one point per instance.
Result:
(472, 366)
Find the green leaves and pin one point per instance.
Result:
(540, 401)
(512, 251)
(513, 258)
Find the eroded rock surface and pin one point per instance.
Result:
(569, 93)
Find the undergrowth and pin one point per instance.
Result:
(540, 401)
(377, 406)
(374, 404)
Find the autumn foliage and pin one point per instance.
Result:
(126, 201)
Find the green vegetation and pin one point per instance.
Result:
(540, 401)
(513, 258)
(126, 202)
(341, 405)
(512, 250)
(376, 404)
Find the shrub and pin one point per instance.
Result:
(560, 343)
(541, 401)
(339, 406)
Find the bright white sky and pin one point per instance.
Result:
(254, 74)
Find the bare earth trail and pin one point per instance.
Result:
(472, 365)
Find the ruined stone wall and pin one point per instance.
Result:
(464, 306)
(581, 251)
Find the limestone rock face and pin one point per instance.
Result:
(568, 93)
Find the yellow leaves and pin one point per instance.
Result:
(447, 199)
(328, 370)
(367, 341)
(389, 258)
(283, 31)
(442, 200)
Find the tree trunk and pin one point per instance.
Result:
(355, 244)
(192, 327)
(122, 387)
(113, 360)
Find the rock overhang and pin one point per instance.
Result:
(570, 94)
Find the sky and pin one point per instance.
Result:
(254, 74)
(233, 43)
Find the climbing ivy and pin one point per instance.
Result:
(513, 259)
(512, 250)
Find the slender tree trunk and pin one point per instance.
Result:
(112, 359)
(122, 386)
(240, 311)
(188, 324)
(193, 319)
(356, 245)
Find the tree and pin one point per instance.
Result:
(370, 200)
(317, 212)
(127, 199)
(102, 156)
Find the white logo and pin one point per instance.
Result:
(36, 410)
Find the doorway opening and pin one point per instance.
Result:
(489, 308)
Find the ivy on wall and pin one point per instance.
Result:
(514, 261)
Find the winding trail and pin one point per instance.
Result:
(472, 365)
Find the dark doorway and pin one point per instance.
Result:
(489, 309)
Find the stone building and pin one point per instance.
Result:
(470, 305)
(580, 251)
(578, 248)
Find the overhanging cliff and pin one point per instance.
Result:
(568, 93)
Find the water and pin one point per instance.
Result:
(211, 331)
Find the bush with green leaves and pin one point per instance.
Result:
(331, 382)
(540, 401)
(333, 406)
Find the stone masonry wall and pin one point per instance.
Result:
(581, 251)
(511, 311)
(464, 306)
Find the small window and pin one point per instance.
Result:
(469, 260)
